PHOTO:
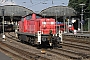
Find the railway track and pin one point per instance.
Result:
(87, 46)
(48, 54)
(9, 52)
(81, 55)
(74, 50)
(77, 46)
(78, 38)
(63, 53)
(70, 51)
(22, 54)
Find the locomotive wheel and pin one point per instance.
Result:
(27, 38)
(19, 37)
(31, 41)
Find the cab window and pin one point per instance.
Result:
(28, 17)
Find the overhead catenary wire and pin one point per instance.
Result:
(31, 1)
(38, 3)
(3, 1)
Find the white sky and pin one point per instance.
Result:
(35, 5)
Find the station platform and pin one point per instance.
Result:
(4, 57)
(78, 34)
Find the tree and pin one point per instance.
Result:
(75, 5)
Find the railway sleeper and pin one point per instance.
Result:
(84, 56)
(11, 52)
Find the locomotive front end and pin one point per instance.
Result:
(49, 40)
(47, 35)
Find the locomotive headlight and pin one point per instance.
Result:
(48, 19)
(52, 22)
(44, 23)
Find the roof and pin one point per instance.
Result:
(14, 10)
(59, 11)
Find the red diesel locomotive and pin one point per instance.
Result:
(38, 31)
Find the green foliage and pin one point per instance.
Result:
(75, 5)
